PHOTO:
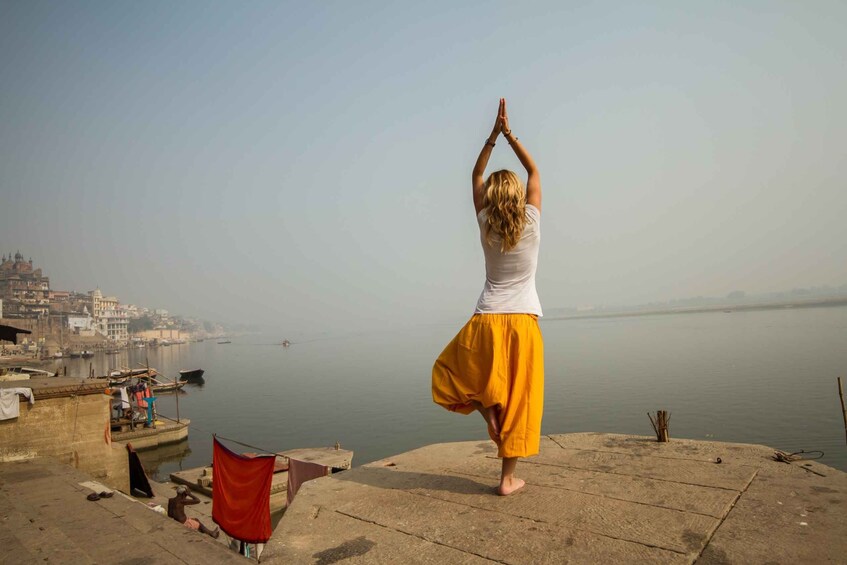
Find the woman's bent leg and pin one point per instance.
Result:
(508, 482)
(491, 415)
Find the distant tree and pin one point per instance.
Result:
(140, 324)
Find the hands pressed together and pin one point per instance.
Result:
(501, 124)
(533, 182)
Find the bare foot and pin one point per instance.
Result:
(495, 437)
(510, 487)
(492, 416)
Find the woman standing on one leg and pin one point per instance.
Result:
(495, 365)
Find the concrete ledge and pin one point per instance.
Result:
(45, 517)
(590, 498)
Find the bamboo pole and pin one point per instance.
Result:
(150, 384)
(176, 392)
(843, 410)
(660, 425)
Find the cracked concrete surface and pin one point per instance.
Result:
(590, 498)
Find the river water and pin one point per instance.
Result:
(764, 377)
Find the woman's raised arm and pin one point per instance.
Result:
(533, 180)
(478, 176)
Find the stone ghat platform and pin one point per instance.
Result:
(45, 517)
(589, 498)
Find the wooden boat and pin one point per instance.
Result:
(143, 372)
(22, 373)
(86, 354)
(164, 432)
(191, 375)
(160, 386)
(223, 342)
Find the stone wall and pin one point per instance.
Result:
(71, 429)
(55, 335)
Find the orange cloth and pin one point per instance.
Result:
(497, 359)
(241, 494)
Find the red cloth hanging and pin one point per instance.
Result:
(241, 494)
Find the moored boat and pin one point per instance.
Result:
(191, 375)
(167, 387)
(22, 373)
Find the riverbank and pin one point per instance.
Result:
(589, 498)
(726, 308)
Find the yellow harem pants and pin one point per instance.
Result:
(497, 359)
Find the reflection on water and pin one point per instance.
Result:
(171, 456)
(758, 377)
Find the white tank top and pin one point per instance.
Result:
(510, 277)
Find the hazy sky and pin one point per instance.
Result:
(307, 164)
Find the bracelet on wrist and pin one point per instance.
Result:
(489, 142)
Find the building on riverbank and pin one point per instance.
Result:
(164, 334)
(23, 288)
(69, 421)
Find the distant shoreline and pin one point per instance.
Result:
(729, 308)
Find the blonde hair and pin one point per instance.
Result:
(504, 202)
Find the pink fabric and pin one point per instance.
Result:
(241, 494)
(192, 524)
(301, 471)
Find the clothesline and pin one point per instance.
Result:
(213, 434)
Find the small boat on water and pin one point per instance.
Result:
(22, 373)
(160, 386)
(142, 372)
(191, 375)
(285, 343)
(86, 354)
(223, 342)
